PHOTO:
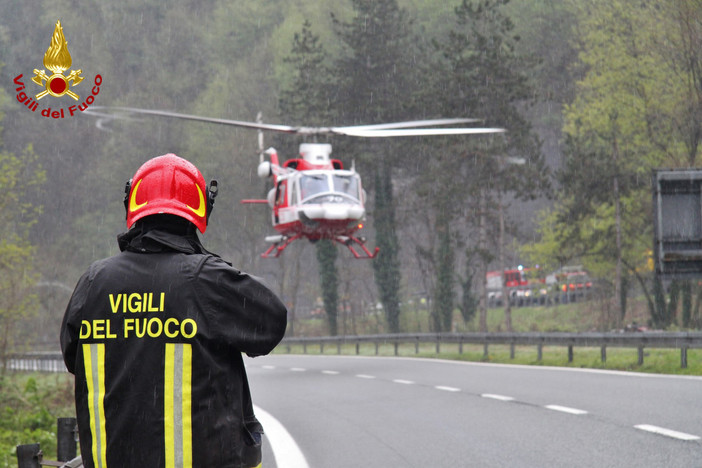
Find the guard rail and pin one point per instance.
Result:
(638, 340)
(53, 362)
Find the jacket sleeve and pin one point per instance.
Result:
(70, 327)
(241, 311)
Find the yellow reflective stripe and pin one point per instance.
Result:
(168, 422)
(187, 410)
(88, 363)
(94, 363)
(177, 405)
(101, 406)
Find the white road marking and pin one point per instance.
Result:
(637, 375)
(497, 397)
(286, 452)
(644, 427)
(565, 409)
(666, 432)
(447, 389)
(330, 372)
(404, 382)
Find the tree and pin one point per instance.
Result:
(469, 303)
(626, 119)
(307, 100)
(678, 44)
(374, 79)
(442, 305)
(329, 282)
(436, 188)
(18, 176)
(484, 76)
(387, 265)
(605, 123)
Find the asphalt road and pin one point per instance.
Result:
(336, 412)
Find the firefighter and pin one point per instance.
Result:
(155, 336)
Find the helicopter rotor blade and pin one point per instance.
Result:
(419, 132)
(409, 124)
(105, 115)
(103, 119)
(236, 123)
(394, 129)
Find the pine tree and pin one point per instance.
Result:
(387, 264)
(443, 302)
(328, 280)
(307, 100)
(469, 303)
(375, 76)
(483, 76)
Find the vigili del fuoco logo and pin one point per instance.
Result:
(57, 60)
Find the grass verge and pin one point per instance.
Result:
(30, 404)
(657, 361)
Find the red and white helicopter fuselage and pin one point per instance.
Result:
(314, 197)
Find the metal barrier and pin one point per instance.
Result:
(53, 362)
(639, 340)
(36, 362)
(31, 456)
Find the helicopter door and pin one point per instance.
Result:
(280, 198)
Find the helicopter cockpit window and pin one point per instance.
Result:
(346, 184)
(311, 185)
(329, 188)
(293, 193)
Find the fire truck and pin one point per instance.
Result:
(531, 286)
(569, 284)
(525, 286)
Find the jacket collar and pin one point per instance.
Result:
(148, 237)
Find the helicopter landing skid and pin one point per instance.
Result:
(348, 242)
(281, 243)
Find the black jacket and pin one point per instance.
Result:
(155, 336)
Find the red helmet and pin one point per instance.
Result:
(171, 185)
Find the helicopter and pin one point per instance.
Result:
(313, 196)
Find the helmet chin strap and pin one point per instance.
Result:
(211, 195)
(127, 189)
